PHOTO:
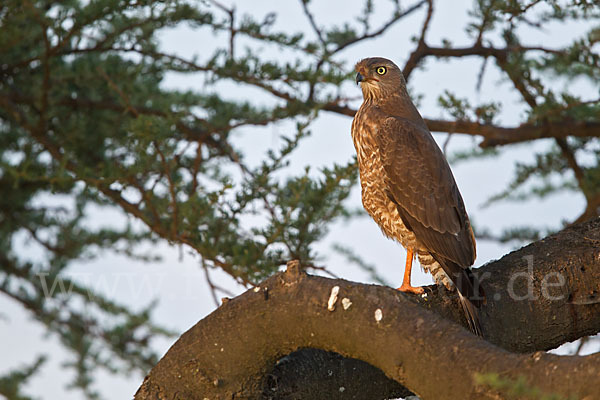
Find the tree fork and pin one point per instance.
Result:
(539, 297)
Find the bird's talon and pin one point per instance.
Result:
(411, 289)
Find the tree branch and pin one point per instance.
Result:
(418, 54)
(370, 35)
(313, 24)
(494, 135)
(538, 297)
(569, 155)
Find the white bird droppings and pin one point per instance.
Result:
(378, 315)
(342, 389)
(346, 303)
(333, 298)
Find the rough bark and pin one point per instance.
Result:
(539, 297)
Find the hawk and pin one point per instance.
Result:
(408, 187)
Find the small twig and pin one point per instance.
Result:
(486, 14)
(323, 269)
(174, 206)
(195, 168)
(524, 10)
(427, 20)
(213, 286)
(559, 110)
(46, 67)
(569, 155)
(382, 29)
(480, 75)
(232, 29)
(446, 143)
(313, 24)
(421, 49)
(213, 289)
(42, 242)
(122, 95)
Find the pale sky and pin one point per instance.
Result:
(179, 284)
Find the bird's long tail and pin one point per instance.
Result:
(472, 314)
(469, 290)
(467, 284)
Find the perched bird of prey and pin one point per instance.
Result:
(408, 187)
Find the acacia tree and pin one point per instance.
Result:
(85, 120)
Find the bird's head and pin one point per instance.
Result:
(379, 78)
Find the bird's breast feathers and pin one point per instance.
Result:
(372, 179)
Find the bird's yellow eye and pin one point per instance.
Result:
(381, 70)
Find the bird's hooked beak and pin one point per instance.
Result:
(359, 78)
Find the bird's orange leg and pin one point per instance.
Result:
(406, 286)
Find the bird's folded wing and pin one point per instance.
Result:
(420, 181)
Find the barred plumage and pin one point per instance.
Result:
(408, 187)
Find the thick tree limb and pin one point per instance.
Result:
(538, 297)
(500, 53)
(495, 135)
